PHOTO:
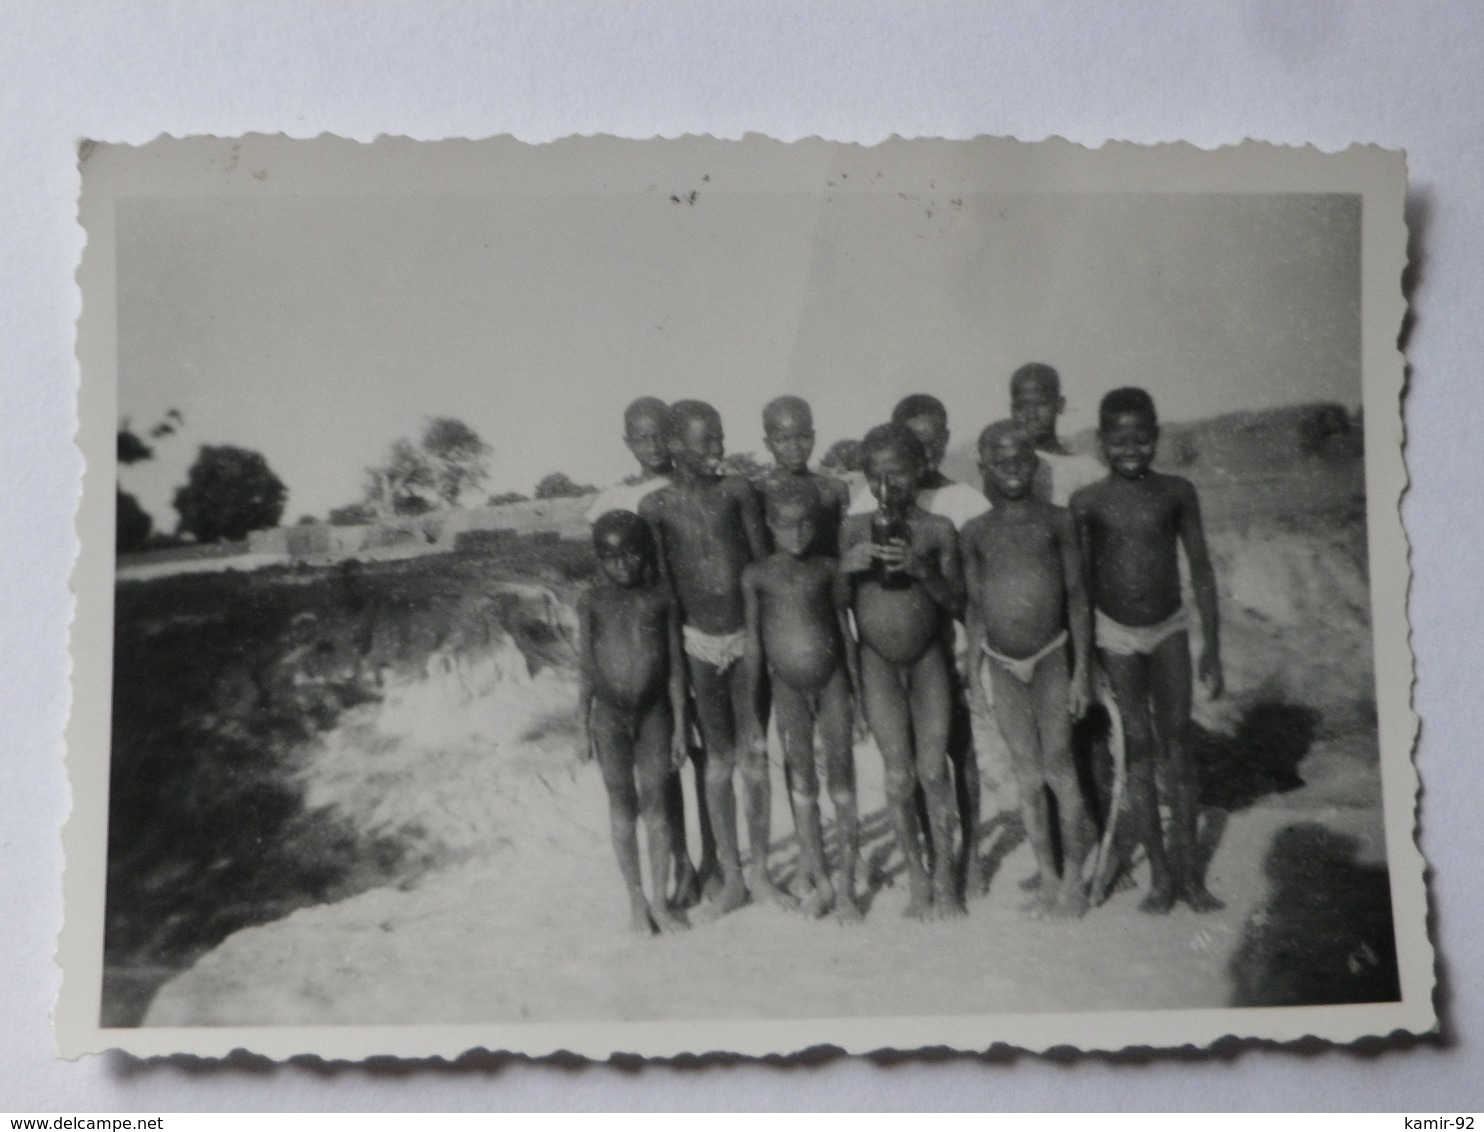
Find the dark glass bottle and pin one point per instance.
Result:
(888, 526)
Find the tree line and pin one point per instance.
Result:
(231, 491)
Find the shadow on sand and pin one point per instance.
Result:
(1325, 933)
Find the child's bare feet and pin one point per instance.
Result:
(847, 911)
(687, 886)
(920, 907)
(976, 877)
(640, 921)
(920, 902)
(1038, 906)
(1159, 901)
(763, 888)
(947, 904)
(817, 902)
(1070, 903)
(1200, 899)
(727, 898)
(710, 880)
(668, 921)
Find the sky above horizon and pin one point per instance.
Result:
(319, 330)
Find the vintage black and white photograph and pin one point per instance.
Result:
(670, 596)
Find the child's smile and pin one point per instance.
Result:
(1128, 443)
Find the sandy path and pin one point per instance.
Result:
(532, 929)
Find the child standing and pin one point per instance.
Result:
(708, 530)
(796, 625)
(1132, 524)
(788, 432)
(631, 704)
(1036, 402)
(644, 436)
(905, 594)
(1026, 588)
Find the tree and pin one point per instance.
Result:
(743, 464)
(448, 460)
(131, 446)
(132, 530)
(228, 492)
(505, 497)
(398, 479)
(133, 525)
(843, 456)
(457, 455)
(351, 515)
(559, 485)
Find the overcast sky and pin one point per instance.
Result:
(318, 330)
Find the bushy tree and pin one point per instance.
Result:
(505, 497)
(458, 458)
(743, 464)
(132, 448)
(559, 485)
(228, 492)
(133, 526)
(132, 530)
(448, 460)
(843, 456)
(399, 478)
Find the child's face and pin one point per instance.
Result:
(1128, 444)
(621, 558)
(793, 527)
(1009, 466)
(934, 436)
(699, 448)
(790, 440)
(1034, 406)
(893, 477)
(646, 440)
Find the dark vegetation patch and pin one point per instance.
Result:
(222, 682)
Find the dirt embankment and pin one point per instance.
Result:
(449, 861)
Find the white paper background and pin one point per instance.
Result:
(1404, 75)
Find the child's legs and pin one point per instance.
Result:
(1128, 677)
(963, 755)
(932, 708)
(714, 714)
(1015, 711)
(794, 714)
(1050, 690)
(889, 714)
(757, 786)
(833, 727)
(1170, 697)
(707, 866)
(613, 738)
(654, 776)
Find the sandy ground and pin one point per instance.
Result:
(506, 903)
(528, 925)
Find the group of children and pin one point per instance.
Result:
(724, 603)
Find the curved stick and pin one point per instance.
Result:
(1100, 877)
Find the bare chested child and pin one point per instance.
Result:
(1029, 597)
(788, 431)
(631, 704)
(709, 529)
(1132, 524)
(644, 436)
(905, 593)
(797, 626)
